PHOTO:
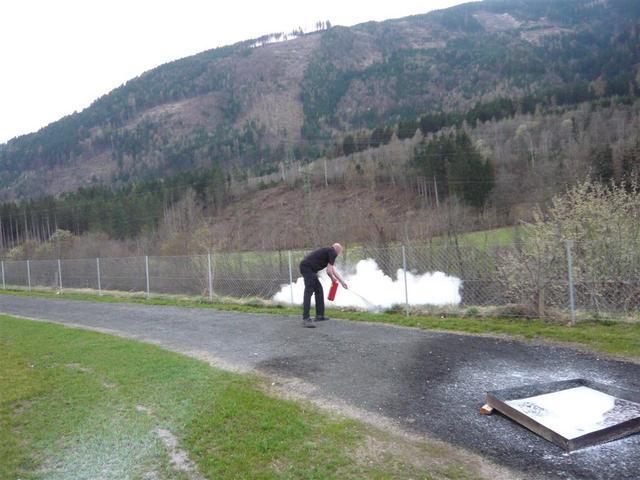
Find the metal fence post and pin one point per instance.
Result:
(290, 277)
(29, 274)
(210, 277)
(213, 272)
(146, 269)
(4, 285)
(99, 285)
(60, 275)
(406, 290)
(572, 302)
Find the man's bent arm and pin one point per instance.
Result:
(335, 276)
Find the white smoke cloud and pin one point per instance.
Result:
(380, 290)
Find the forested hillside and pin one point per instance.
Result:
(246, 107)
(493, 105)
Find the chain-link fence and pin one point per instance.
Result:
(550, 280)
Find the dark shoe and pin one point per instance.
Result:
(308, 323)
(321, 319)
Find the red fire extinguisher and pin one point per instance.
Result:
(333, 290)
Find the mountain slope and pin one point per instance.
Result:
(249, 106)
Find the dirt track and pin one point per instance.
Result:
(429, 383)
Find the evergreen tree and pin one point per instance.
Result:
(470, 176)
(602, 161)
(457, 168)
(380, 136)
(348, 145)
(407, 129)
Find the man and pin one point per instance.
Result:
(309, 268)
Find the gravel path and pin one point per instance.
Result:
(430, 383)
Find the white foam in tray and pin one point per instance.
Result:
(576, 411)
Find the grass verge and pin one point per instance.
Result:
(614, 338)
(77, 404)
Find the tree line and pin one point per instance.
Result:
(121, 213)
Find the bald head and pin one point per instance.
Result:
(337, 247)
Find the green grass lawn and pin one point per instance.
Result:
(616, 338)
(77, 405)
(495, 237)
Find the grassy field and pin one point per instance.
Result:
(494, 237)
(77, 405)
(616, 338)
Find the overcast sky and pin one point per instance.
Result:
(57, 56)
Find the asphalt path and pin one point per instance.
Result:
(428, 382)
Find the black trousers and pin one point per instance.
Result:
(311, 286)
